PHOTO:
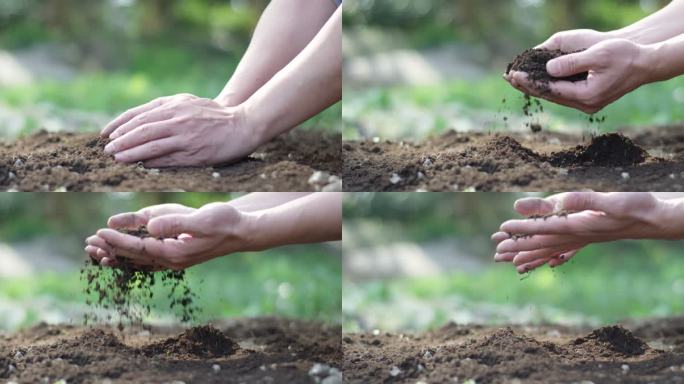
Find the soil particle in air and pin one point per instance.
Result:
(453, 161)
(77, 162)
(533, 62)
(128, 289)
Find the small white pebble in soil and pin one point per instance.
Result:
(395, 371)
(427, 162)
(153, 171)
(454, 187)
(428, 354)
(563, 171)
(18, 163)
(420, 175)
(262, 176)
(625, 368)
(672, 176)
(262, 368)
(394, 179)
(11, 369)
(376, 140)
(144, 333)
(11, 176)
(215, 175)
(421, 190)
(334, 186)
(319, 370)
(376, 332)
(319, 178)
(216, 368)
(624, 175)
(18, 355)
(332, 380)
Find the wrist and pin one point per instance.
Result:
(668, 219)
(649, 62)
(258, 122)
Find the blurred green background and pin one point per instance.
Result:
(414, 261)
(41, 251)
(416, 68)
(73, 64)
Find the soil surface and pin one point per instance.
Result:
(262, 350)
(652, 160)
(651, 352)
(76, 162)
(533, 62)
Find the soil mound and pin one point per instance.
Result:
(205, 341)
(533, 62)
(612, 339)
(609, 150)
(128, 289)
(506, 147)
(504, 345)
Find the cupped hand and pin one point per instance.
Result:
(181, 130)
(180, 237)
(616, 67)
(575, 40)
(589, 217)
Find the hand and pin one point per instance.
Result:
(181, 130)
(180, 237)
(598, 218)
(616, 67)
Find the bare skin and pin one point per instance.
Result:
(182, 237)
(291, 72)
(596, 218)
(618, 62)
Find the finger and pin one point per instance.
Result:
(130, 114)
(170, 160)
(581, 201)
(529, 256)
(92, 252)
(504, 257)
(155, 115)
(531, 206)
(531, 266)
(141, 135)
(149, 150)
(127, 220)
(554, 225)
(571, 64)
(172, 225)
(122, 242)
(534, 243)
(500, 236)
(98, 242)
(563, 258)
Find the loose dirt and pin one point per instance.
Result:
(533, 62)
(546, 354)
(76, 162)
(261, 350)
(648, 161)
(129, 289)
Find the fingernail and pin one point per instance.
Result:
(109, 148)
(562, 257)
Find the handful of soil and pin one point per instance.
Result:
(129, 290)
(533, 62)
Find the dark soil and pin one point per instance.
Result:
(76, 162)
(648, 161)
(128, 289)
(533, 62)
(456, 353)
(262, 350)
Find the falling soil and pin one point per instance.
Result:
(129, 289)
(533, 62)
(648, 161)
(259, 350)
(546, 354)
(77, 162)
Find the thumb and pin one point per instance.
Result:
(570, 64)
(586, 201)
(171, 225)
(531, 206)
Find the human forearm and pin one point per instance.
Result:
(307, 85)
(310, 219)
(257, 201)
(284, 29)
(659, 26)
(665, 59)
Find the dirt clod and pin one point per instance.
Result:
(533, 62)
(609, 150)
(205, 341)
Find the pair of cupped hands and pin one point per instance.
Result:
(616, 67)
(180, 236)
(544, 237)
